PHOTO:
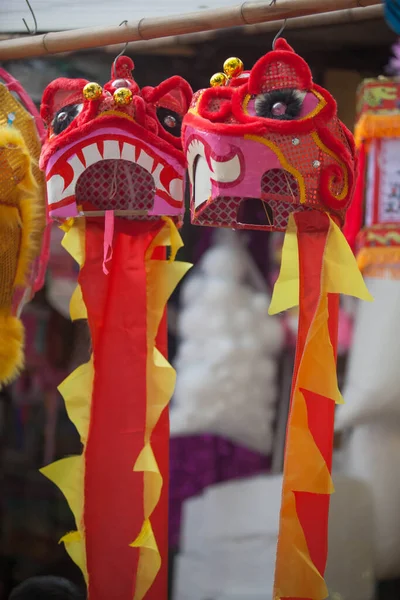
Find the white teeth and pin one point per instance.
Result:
(226, 172)
(78, 169)
(55, 187)
(176, 189)
(91, 154)
(111, 149)
(76, 164)
(202, 183)
(196, 148)
(156, 174)
(145, 161)
(128, 152)
(221, 171)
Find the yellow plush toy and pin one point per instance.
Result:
(22, 224)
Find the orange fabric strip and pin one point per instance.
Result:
(302, 543)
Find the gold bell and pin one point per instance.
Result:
(92, 91)
(218, 79)
(233, 67)
(123, 96)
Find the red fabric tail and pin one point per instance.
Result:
(113, 510)
(313, 509)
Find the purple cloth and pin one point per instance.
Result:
(199, 461)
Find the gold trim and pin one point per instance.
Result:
(286, 165)
(246, 101)
(115, 113)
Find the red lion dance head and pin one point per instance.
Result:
(116, 151)
(264, 143)
(265, 150)
(91, 165)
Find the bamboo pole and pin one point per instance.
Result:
(338, 17)
(247, 13)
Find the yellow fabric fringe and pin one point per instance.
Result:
(68, 473)
(305, 469)
(371, 126)
(162, 278)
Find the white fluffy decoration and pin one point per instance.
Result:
(372, 387)
(229, 534)
(226, 362)
(372, 455)
(370, 416)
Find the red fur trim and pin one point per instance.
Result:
(140, 110)
(123, 67)
(56, 95)
(335, 171)
(171, 139)
(240, 80)
(329, 99)
(209, 95)
(258, 78)
(152, 125)
(205, 125)
(72, 135)
(153, 95)
(175, 90)
(147, 92)
(281, 44)
(87, 113)
(334, 144)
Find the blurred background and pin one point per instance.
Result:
(228, 430)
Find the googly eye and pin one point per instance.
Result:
(283, 104)
(64, 117)
(170, 121)
(278, 109)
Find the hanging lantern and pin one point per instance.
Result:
(372, 408)
(376, 209)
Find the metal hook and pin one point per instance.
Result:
(279, 34)
(34, 32)
(123, 49)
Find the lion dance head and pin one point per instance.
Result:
(264, 143)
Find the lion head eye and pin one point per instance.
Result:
(64, 117)
(284, 105)
(170, 121)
